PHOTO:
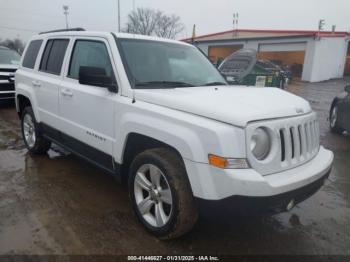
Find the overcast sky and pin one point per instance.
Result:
(23, 18)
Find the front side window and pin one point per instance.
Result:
(154, 64)
(31, 54)
(53, 56)
(92, 54)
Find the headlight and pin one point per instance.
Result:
(260, 143)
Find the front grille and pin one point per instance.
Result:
(11, 70)
(7, 75)
(294, 141)
(7, 86)
(299, 142)
(9, 95)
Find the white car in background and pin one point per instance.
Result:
(158, 115)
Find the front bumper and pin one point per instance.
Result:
(211, 183)
(247, 205)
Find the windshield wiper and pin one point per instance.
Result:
(216, 84)
(165, 84)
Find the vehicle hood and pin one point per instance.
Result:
(236, 105)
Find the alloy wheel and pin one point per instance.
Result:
(153, 196)
(29, 130)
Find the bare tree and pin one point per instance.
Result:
(146, 21)
(15, 44)
(168, 26)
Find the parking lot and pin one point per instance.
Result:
(59, 204)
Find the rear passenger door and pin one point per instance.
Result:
(49, 79)
(87, 112)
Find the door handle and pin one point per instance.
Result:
(67, 92)
(36, 83)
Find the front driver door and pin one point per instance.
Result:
(87, 112)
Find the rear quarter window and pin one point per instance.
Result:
(31, 54)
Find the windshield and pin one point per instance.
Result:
(8, 56)
(154, 64)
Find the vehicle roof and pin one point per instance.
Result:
(104, 34)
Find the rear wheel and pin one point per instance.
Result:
(161, 195)
(333, 120)
(33, 140)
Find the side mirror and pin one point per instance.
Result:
(96, 76)
(347, 89)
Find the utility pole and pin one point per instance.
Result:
(321, 24)
(235, 24)
(66, 12)
(333, 28)
(193, 34)
(118, 15)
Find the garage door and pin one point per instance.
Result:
(219, 53)
(291, 54)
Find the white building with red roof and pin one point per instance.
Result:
(313, 56)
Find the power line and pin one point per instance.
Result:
(20, 29)
(24, 12)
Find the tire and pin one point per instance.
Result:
(333, 119)
(33, 139)
(175, 219)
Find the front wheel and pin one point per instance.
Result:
(33, 140)
(333, 120)
(161, 195)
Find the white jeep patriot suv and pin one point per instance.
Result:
(157, 114)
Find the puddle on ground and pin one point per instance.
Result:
(59, 204)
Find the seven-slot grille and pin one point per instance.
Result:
(299, 142)
(294, 141)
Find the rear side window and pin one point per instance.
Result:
(89, 53)
(53, 56)
(31, 54)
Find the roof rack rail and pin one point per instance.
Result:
(63, 30)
